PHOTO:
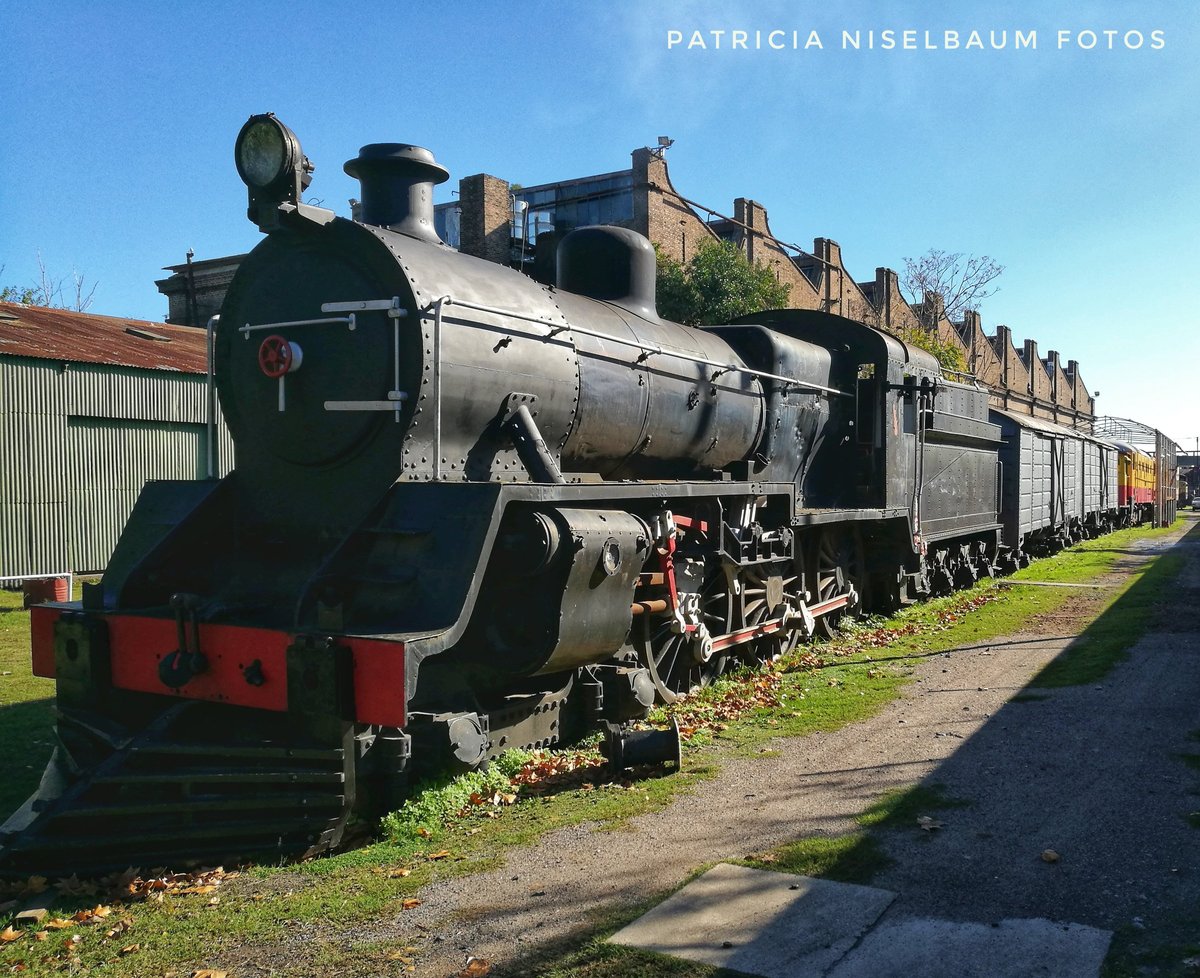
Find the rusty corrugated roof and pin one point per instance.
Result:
(81, 337)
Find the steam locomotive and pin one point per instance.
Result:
(469, 511)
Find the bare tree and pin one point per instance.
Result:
(83, 294)
(961, 282)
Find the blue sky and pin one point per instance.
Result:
(1075, 168)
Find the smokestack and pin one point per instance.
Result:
(397, 183)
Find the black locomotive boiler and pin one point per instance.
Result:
(468, 511)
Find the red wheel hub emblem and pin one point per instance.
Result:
(275, 356)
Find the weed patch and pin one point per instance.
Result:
(903, 807)
(852, 858)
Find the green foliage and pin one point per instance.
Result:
(947, 354)
(50, 291)
(717, 285)
(28, 295)
(438, 803)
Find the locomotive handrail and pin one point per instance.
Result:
(648, 348)
(348, 320)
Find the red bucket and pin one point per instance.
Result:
(43, 589)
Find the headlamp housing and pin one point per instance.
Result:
(272, 166)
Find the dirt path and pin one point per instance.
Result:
(1091, 772)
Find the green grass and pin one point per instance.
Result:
(26, 708)
(901, 808)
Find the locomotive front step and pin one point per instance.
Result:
(181, 791)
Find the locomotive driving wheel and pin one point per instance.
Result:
(768, 593)
(680, 662)
(837, 567)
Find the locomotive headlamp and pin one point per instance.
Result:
(267, 152)
(273, 167)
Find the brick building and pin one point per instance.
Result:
(521, 226)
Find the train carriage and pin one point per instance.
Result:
(1136, 480)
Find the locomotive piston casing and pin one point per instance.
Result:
(562, 599)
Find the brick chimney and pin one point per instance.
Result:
(485, 228)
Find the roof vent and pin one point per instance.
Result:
(145, 334)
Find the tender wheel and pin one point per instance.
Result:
(837, 565)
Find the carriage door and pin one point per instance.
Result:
(1058, 498)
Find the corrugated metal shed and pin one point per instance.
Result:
(91, 407)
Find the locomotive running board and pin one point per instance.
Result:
(177, 793)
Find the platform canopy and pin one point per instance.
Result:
(1134, 433)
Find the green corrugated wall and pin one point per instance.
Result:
(77, 442)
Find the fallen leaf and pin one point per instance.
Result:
(1050, 856)
(399, 873)
(400, 956)
(41, 935)
(36, 884)
(409, 903)
(434, 856)
(928, 824)
(208, 973)
(423, 832)
(59, 923)
(129, 949)
(476, 968)
(8, 935)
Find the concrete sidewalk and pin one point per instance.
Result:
(778, 925)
